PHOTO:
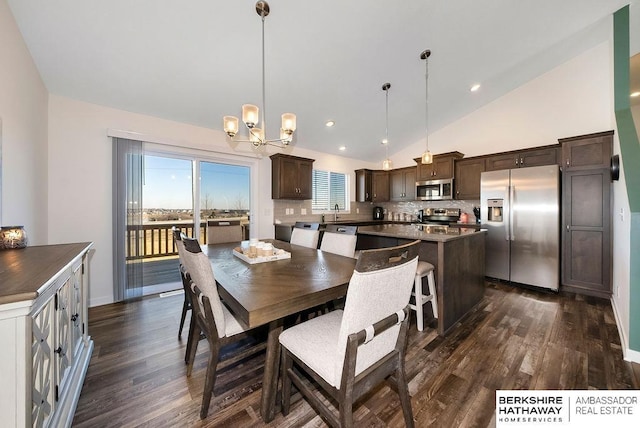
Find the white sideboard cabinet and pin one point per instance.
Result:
(43, 329)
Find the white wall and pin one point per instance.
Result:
(23, 134)
(563, 102)
(80, 187)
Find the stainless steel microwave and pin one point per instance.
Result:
(434, 190)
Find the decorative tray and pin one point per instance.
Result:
(281, 255)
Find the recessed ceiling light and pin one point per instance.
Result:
(475, 87)
(385, 141)
(329, 123)
(342, 148)
(635, 94)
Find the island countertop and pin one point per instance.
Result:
(419, 231)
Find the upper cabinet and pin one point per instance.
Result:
(364, 182)
(587, 152)
(403, 184)
(380, 186)
(372, 186)
(467, 177)
(291, 177)
(440, 168)
(523, 158)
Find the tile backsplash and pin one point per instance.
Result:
(292, 211)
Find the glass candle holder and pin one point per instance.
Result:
(13, 237)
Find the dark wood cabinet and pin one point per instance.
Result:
(364, 185)
(380, 186)
(586, 214)
(523, 158)
(588, 152)
(440, 168)
(467, 177)
(402, 184)
(372, 186)
(291, 177)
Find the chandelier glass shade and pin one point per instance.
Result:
(251, 113)
(427, 157)
(386, 163)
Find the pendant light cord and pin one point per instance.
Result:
(426, 110)
(264, 105)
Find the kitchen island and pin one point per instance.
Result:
(458, 256)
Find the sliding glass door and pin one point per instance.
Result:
(156, 191)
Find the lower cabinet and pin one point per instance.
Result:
(51, 347)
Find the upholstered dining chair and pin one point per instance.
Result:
(339, 240)
(223, 231)
(349, 352)
(305, 234)
(213, 318)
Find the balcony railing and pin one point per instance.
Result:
(155, 240)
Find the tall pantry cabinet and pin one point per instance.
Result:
(586, 214)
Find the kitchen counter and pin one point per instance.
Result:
(458, 254)
(419, 231)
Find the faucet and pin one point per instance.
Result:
(335, 214)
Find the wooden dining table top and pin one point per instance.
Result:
(262, 292)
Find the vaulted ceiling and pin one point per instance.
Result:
(199, 60)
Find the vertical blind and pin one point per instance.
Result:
(329, 189)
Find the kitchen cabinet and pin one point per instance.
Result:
(467, 177)
(402, 184)
(588, 152)
(440, 168)
(291, 177)
(364, 185)
(523, 158)
(380, 186)
(586, 239)
(372, 186)
(43, 325)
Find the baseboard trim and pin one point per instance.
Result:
(627, 354)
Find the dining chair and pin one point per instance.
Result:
(212, 317)
(339, 240)
(223, 231)
(348, 352)
(186, 305)
(305, 234)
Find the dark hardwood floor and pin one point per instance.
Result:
(514, 339)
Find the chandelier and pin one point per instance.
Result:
(427, 157)
(386, 163)
(251, 113)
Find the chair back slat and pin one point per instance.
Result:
(346, 230)
(307, 225)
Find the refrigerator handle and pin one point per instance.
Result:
(512, 202)
(507, 206)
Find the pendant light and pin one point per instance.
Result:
(427, 157)
(251, 113)
(386, 164)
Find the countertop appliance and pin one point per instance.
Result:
(378, 213)
(438, 216)
(434, 190)
(520, 209)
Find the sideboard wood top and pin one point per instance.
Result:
(25, 271)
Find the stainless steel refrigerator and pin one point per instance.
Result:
(520, 208)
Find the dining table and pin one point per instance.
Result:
(268, 292)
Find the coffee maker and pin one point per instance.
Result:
(378, 213)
